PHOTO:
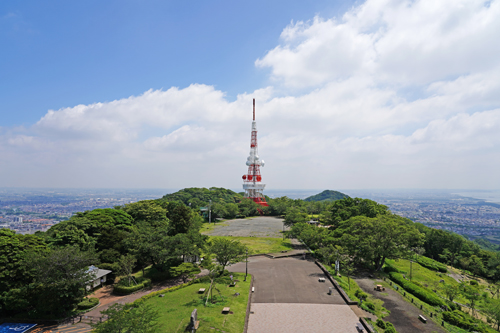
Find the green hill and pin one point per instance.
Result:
(327, 195)
(200, 196)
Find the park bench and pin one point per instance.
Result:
(422, 318)
(226, 309)
(321, 279)
(201, 290)
(253, 289)
(360, 327)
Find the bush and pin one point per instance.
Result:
(88, 303)
(123, 289)
(360, 294)
(432, 264)
(464, 321)
(380, 323)
(473, 283)
(157, 276)
(389, 328)
(420, 292)
(388, 268)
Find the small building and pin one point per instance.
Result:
(315, 223)
(99, 277)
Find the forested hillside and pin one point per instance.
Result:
(327, 195)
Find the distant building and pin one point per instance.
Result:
(18, 219)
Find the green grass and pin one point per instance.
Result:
(262, 245)
(176, 307)
(343, 281)
(209, 227)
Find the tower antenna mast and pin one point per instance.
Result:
(252, 181)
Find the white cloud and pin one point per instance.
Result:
(394, 94)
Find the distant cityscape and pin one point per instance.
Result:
(473, 214)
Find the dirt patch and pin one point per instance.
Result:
(404, 316)
(263, 226)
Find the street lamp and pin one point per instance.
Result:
(246, 266)
(283, 230)
(210, 211)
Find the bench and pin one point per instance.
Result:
(360, 327)
(321, 279)
(226, 309)
(201, 290)
(422, 318)
(253, 289)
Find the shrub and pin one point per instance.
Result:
(88, 303)
(389, 328)
(380, 323)
(463, 320)
(419, 292)
(123, 289)
(473, 283)
(360, 294)
(369, 305)
(388, 268)
(431, 264)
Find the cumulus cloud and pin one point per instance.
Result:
(392, 94)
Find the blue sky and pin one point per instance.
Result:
(158, 94)
(64, 53)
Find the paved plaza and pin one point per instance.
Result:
(288, 297)
(262, 226)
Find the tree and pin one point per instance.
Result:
(226, 251)
(377, 239)
(185, 270)
(471, 293)
(149, 211)
(295, 215)
(248, 207)
(181, 218)
(492, 310)
(451, 291)
(127, 264)
(131, 318)
(344, 209)
(14, 277)
(60, 277)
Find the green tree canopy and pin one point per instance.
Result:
(226, 251)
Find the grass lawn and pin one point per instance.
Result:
(261, 245)
(176, 307)
(208, 227)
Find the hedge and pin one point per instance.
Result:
(125, 290)
(432, 264)
(88, 303)
(464, 321)
(420, 292)
(388, 268)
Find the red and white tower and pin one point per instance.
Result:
(252, 181)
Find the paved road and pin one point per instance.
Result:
(288, 280)
(262, 226)
(288, 298)
(404, 316)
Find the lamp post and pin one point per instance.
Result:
(210, 212)
(246, 266)
(283, 230)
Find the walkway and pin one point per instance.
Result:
(288, 298)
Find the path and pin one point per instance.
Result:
(289, 298)
(404, 316)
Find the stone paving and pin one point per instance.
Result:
(288, 297)
(300, 318)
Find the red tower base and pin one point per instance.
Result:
(260, 201)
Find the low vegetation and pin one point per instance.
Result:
(262, 245)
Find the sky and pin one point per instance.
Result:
(158, 94)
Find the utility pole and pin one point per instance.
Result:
(246, 266)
